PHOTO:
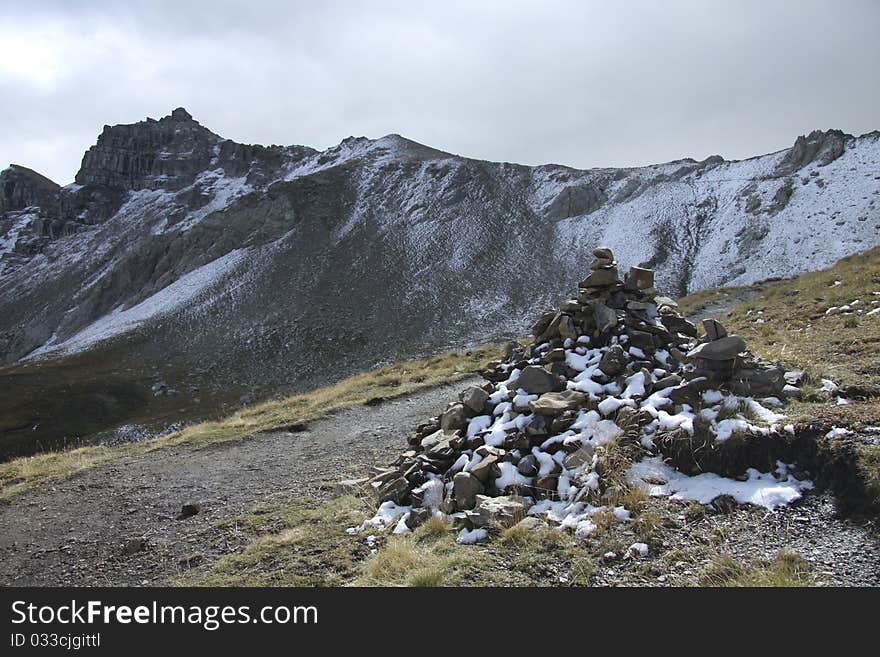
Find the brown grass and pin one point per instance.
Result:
(797, 332)
(786, 569)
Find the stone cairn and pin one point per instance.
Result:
(532, 432)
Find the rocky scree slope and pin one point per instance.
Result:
(194, 263)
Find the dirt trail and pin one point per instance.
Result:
(716, 308)
(74, 532)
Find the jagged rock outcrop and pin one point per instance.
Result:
(819, 147)
(167, 154)
(22, 188)
(170, 154)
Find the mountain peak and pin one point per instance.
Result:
(149, 154)
(181, 114)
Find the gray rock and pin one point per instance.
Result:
(539, 426)
(714, 329)
(527, 466)
(725, 348)
(794, 377)
(641, 339)
(603, 252)
(613, 361)
(546, 486)
(504, 511)
(818, 146)
(455, 417)
(21, 188)
(556, 403)
(466, 487)
(487, 450)
(417, 517)
(648, 308)
(484, 469)
(531, 524)
(395, 489)
(690, 392)
(474, 398)
(447, 506)
(605, 317)
(552, 331)
(442, 445)
(759, 381)
(555, 355)
(583, 454)
(535, 380)
(639, 278)
(602, 263)
(543, 322)
(666, 302)
(791, 392)
(567, 328)
(667, 382)
(601, 278)
(675, 324)
(439, 436)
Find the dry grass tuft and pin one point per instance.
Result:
(786, 569)
(291, 544)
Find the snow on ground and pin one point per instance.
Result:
(471, 536)
(167, 300)
(833, 214)
(9, 233)
(223, 191)
(769, 490)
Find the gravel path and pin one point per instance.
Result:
(75, 532)
(716, 308)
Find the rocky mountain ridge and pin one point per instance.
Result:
(191, 260)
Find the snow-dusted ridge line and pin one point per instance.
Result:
(478, 246)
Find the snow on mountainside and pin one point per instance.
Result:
(284, 264)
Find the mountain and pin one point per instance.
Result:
(186, 262)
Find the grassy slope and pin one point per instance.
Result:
(399, 379)
(307, 545)
(796, 331)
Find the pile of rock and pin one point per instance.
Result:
(618, 364)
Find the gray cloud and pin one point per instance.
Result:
(579, 83)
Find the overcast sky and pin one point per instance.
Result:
(583, 83)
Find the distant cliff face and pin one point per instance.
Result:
(21, 187)
(265, 266)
